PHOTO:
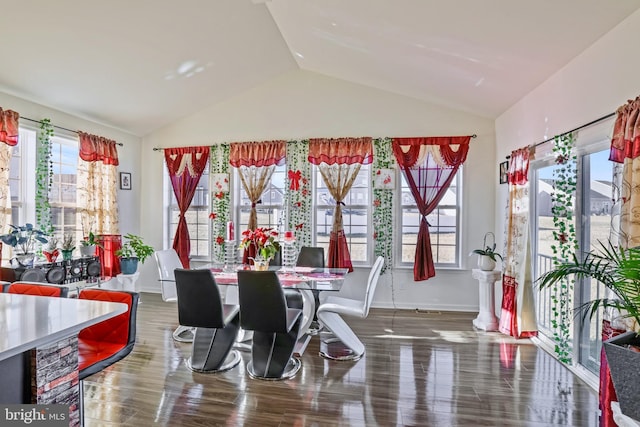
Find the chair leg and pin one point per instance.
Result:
(183, 334)
(212, 348)
(344, 334)
(271, 355)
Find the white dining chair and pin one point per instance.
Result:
(330, 311)
(168, 260)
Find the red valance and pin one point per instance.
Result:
(519, 166)
(9, 127)
(95, 148)
(408, 150)
(265, 153)
(625, 142)
(341, 151)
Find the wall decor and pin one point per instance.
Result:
(504, 169)
(125, 180)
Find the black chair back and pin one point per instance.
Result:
(263, 306)
(199, 302)
(311, 257)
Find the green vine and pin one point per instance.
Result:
(382, 203)
(220, 201)
(298, 198)
(564, 234)
(44, 177)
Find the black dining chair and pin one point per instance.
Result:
(216, 324)
(310, 256)
(275, 324)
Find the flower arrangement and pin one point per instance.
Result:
(264, 240)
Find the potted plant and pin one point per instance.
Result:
(68, 246)
(134, 250)
(487, 256)
(23, 239)
(51, 252)
(88, 245)
(266, 245)
(618, 269)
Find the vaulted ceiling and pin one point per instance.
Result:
(139, 65)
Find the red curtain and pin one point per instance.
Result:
(349, 154)
(429, 165)
(607, 392)
(185, 166)
(9, 127)
(94, 148)
(625, 142)
(109, 262)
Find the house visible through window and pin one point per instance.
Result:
(269, 208)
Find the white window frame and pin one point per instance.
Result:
(398, 247)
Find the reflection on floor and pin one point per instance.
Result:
(419, 369)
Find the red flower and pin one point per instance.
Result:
(376, 203)
(305, 192)
(304, 180)
(375, 235)
(562, 237)
(213, 215)
(219, 195)
(378, 172)
(264, 240)
(298, 204)
(561, 159)
(220, 240)
(299, 226)
(387, 180)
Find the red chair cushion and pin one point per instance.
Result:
(90, 352)
(28, 289)
(111, 331)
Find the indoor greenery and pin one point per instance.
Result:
(566, 244)
(44, 176)
(23, 238)
(383, 203)
(220, 201)
(134, 247)
(618, 269)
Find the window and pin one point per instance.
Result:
(593, 205)
(443, 226)
(62, 195)
(355, 215)
(270, 206)
(197, 216)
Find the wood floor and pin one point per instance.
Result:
(420, 369)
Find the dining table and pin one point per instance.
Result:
(303, 279)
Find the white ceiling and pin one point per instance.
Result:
(139, 65)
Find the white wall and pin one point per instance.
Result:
(129, 153)
(302, 104)
(594, 84)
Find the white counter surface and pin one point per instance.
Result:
(28, 321)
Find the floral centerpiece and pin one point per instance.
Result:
(265, 242)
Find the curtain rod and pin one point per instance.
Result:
(60, 127)
(592, 122)
(162, 149)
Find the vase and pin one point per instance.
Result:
(260, 264)
(51, 256)
(485, 263)
(67, 254)
(25, 260)
(87, 251)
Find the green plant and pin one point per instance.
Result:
(618, 269)
(489, 250)
(134, 247)
(52, 245)
(68, 242)
(23, 237)
(90, 240)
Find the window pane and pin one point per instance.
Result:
(355, 215)
(443, 225)
(270, 206)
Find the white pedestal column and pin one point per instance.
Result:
(128, 281)
(486, 319)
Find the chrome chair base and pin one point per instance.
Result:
(338, 352)
(183, 334)
(293, 366)
(231, 361)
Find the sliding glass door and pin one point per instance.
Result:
(593, 212)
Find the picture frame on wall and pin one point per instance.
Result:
(125, 180)
(504, 171)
